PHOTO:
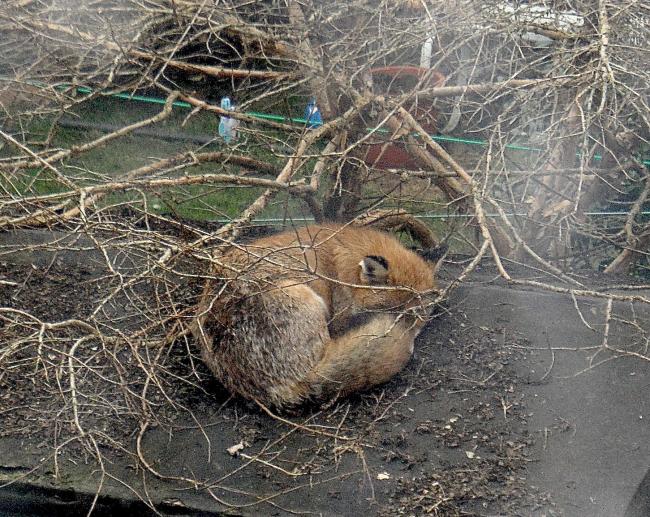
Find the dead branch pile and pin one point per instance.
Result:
(519, 133)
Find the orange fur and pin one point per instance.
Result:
(280, 330)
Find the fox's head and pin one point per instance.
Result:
(398, 279)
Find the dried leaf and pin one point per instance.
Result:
(235, 449)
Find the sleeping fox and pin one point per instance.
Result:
(313, 314)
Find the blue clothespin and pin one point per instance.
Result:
(312, 114)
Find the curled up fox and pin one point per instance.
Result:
(313, 314)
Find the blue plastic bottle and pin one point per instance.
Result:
(312, 115)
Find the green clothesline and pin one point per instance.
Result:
(298, 120)
(302, 121)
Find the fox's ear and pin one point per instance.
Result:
(374, 270)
